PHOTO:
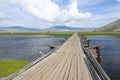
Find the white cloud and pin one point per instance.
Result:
(96, 20)
(101, 20)
(81, 24)
(49, 11)
(46, 13)
(74, 12)
(3, 16)
(43, 9)
(42, 13)
(118, 1)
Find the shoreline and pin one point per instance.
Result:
(60, 33)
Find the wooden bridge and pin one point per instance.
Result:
(69, 62)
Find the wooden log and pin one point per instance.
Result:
(99, 70)
(95, 51)
(86, 43)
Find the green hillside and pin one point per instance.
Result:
(114, 26)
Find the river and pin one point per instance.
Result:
(110, 52)
(26, 47)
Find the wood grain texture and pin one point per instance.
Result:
(67, 63)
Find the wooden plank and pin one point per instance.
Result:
(67, 63)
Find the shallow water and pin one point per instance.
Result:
(26, 47)
(110, 52)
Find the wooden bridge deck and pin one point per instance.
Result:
(67, 63)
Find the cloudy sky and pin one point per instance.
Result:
(47, 13)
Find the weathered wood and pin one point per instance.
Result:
(95, 51)
(28, 66)
(86, 43)
(67, 63)
(102, 74)
(97, 67)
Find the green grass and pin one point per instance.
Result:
(100, 33)
(60, 33)
(9, 66)
(63, 33)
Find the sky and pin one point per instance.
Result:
(47, 13)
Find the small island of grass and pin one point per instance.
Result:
(10, 66)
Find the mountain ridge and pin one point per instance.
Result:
(18, 28)
(114, 26)
(54, 28)
(67, 28)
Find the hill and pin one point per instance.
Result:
(54, 28)
(17, 28)
(67, 28)
(114, 26)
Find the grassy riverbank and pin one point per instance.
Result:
(60, 33)
(9, 66)
(100, 33)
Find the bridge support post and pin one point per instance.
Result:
(86, 43)
(95, 51)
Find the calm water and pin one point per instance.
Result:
(26, 47)
(110, 52)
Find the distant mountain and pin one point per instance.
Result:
(114, 26)
(54, 28)
(17, 28)
(66, 28)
